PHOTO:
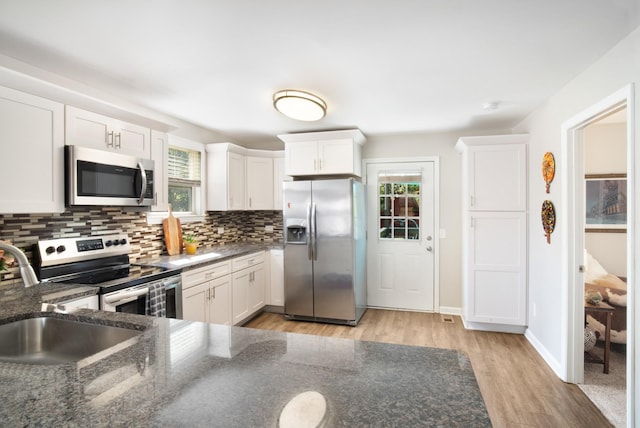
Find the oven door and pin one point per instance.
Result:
(131, 300)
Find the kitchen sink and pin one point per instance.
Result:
(47, 341)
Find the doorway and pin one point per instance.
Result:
(402, 249)
(574, 152)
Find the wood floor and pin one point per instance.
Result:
(519, 389)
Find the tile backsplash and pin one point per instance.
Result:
(24, 230)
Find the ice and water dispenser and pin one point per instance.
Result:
(296, 234)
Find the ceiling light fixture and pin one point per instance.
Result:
(299, 105)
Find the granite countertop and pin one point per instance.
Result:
(183, 373)
(207, 255)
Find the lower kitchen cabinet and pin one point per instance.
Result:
(248, 295)
(206, 294)
(208, 302)
(276, 278)
(228, 292)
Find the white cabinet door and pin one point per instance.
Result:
(256, 292)
(301, 158)
(195, 302)
(32, 136)
(236, 181)
(220, 301)
(336, 156)
(89, 302)
(496, 270)
(259, 181)
(159, 155)
(279, 177)
(276, 283)
(88, 129)
(240, 295)
(497, 179)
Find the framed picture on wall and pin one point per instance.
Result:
(606, 202)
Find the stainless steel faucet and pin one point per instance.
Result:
(26, 271)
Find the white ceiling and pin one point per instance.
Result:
(386, 67)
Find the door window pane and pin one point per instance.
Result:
(399, 208)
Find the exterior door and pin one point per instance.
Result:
(401, 243)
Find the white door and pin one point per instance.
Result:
(401, 243)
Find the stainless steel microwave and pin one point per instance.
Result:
(98, 177)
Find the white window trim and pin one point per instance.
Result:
(156, 217)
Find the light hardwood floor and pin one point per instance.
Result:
(518, 388)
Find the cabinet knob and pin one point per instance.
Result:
(429, 249)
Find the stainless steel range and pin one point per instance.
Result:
(103, 261)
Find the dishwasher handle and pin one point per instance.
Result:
(125, 297)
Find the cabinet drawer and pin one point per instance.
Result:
(247, 261)
(205, 273)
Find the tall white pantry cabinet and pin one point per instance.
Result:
(494, 192)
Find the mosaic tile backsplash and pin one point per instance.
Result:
(24, 230)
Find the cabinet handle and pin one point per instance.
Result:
(472, 222)
(118, 141)
(315, 167)
(208, 296)
(471, 200)
(320, 165)
(213, 290)
(110, 139)
(249, 202)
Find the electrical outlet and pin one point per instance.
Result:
(268, 228)
(220, 230)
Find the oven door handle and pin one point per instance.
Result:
(119, 297)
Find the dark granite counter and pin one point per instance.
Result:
(208, 255)
(181, 373)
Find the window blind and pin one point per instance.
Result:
(184, 166)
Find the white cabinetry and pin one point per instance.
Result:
(32, 166)
(248, 294)
(88, 302)
(276, 278)
(240, 178)
(159, 155)
(206, 294)
(279, 177)
(494, 232)
(88, 129)
(259, 185)
(323, 153)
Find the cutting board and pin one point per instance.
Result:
(172, 234)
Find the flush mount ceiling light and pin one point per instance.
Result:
(299, 105)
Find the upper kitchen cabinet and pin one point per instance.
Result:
(85, 128)
(323, 153)
(225, 177)
(279, 177)
(259, 184)
(32, 164)
(240, 178)
(159, 155)
(496, 172)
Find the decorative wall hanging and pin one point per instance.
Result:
(548, 168)
(548, 219)
(606, 202)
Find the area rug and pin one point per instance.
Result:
(608, 391)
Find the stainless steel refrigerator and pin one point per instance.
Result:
(325, 250)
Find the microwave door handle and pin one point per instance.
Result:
(116, 298)
(144, 183)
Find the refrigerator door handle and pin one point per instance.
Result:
(314, 231)
(309, 233)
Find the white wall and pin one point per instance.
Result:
(441, 145)
(616, 69)
(605, 152)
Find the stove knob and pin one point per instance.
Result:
(61, 248)
(123, 241)
(50, 249)
(116, 242)
(108, 243)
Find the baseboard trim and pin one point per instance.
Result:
(497, 328)
(451, 310)
(545, 354)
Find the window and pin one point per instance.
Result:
(184, 179)
(399, 200)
